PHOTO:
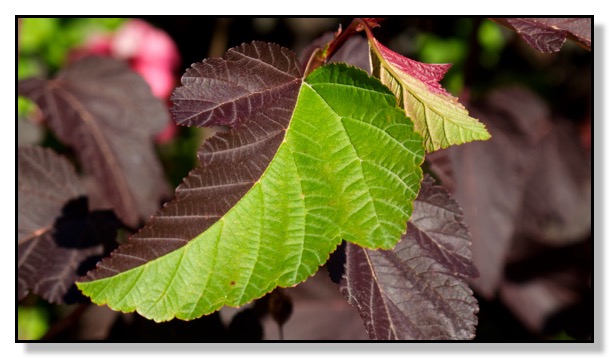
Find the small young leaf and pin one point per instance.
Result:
(306, 165)
(437, 116)
(549, 34)
(108, 114)
(58, 240)
(417, 290)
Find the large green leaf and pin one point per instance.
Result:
(437, 116)
(347, 168)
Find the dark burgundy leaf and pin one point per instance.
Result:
(557, 207)
(244, 80)
(46, 182)
(549, 34)
(58, 239)
(417, 290)
(489, 177)
(108, 114)
(231, 162)
(517, 182)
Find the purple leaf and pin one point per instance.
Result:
(244, 81)
(417, 290)
(58, 240)
(549, 34)
(231, 162)
(557, 206)
(107, 113)
(525, 181)
(489, 177)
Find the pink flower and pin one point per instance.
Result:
(161, 80)
(137, 40)
(99, 45)
(149, 51)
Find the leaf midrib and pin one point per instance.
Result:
(361, 168)
(220, 221)
(392, 72)
(113, 165)
(236, 99)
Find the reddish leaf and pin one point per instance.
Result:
(231, 162)
(58, 240)
(416, 290)
(437, 115)
(108, 114)
(549, 34)
(429, 74)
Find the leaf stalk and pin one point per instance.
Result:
(321, 55)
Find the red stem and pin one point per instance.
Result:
(321, 56)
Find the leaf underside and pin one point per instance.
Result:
(417, 290)
(110, 120)
(306, 184)
(437, 116)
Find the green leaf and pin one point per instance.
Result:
(348, 168)
(437, 116)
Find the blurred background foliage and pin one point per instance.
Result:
(484, 56)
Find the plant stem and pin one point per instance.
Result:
(321, 56)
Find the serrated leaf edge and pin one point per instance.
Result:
(447, 97)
